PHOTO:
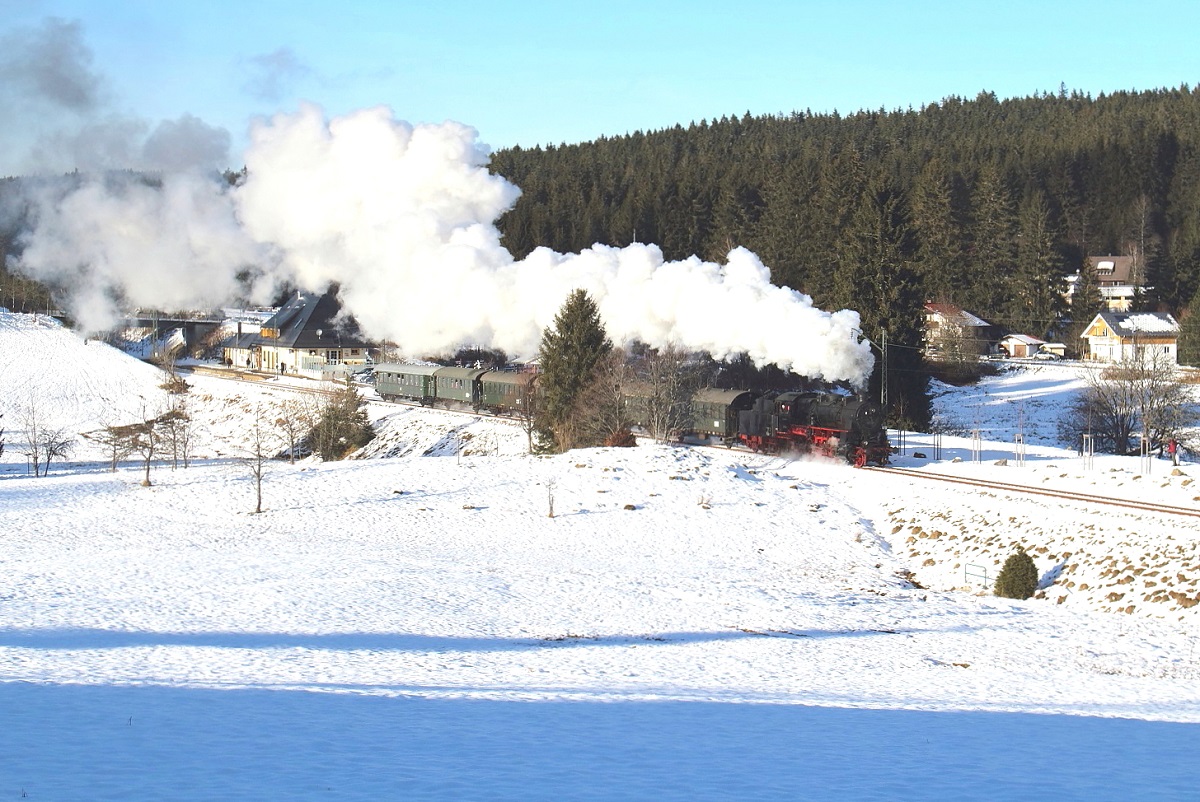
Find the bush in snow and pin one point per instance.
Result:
(1018, 578)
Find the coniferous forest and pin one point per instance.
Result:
(985, 203)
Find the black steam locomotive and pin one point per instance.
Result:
(827, 423)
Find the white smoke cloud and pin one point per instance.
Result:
(117, 241)
(401, 217)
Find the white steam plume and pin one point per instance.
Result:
(116, 240)
(402, 218)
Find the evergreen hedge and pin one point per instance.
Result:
(1018, 578)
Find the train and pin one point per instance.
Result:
(831, 423)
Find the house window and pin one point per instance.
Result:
(1106, 267)
(333, 357)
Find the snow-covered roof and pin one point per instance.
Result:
(955, 314)
(1140, 322)
(1024, 339)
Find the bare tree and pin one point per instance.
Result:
(115, 440)
(31, 421)
(601, 412)
(669, 384)
(55, 443)
(262, 444)
(295, 418)
(167, 359)
(1141, 396)
(527, 407)
(956, 353)
(43, 441)
(1, 438)
(143, 439)
(176, 432)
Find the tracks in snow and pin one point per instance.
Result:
(1066, 495)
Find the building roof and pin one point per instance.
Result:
(308, 320)
(1024, 339)
(955, 314)
(1112, 269)
(1128, 324)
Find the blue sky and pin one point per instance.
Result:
(540, 72)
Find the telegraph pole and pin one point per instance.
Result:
(883, 375)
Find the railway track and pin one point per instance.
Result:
(1066, 495)
(251, 377)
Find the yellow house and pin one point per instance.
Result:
(1125, 336)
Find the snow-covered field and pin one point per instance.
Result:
(690, 624)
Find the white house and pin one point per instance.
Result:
(306, 335)
(950, 328)
(1021, 345)
(1118, 279)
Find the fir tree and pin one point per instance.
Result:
(1018, 578)
(1189, 333)
(572, 349)
(1086, 302)
(342, 426)
(993, 244)
(937, 223)
(1035, 297)
(877, 279)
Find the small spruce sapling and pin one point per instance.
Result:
(1018, 578)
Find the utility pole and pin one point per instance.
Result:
(883, 375)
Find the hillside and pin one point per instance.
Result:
(74, 382)
(420, 626)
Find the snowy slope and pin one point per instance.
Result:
(421, 627)
(78, 383)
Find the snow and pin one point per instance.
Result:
(690, 624)
(1149, 323)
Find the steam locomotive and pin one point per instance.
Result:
(826, 422)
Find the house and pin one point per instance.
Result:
(951, 331)
(1056, 349)
(1118, 278)
(1122, 336)
(1021, 345)
(306, 336)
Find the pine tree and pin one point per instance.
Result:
(1034, 300)
(571, 351)
(1018, 578)
(993, 244)
(1086, 302)
(876, 278)
(938, 227)
(342, 425)
(1189, 334)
